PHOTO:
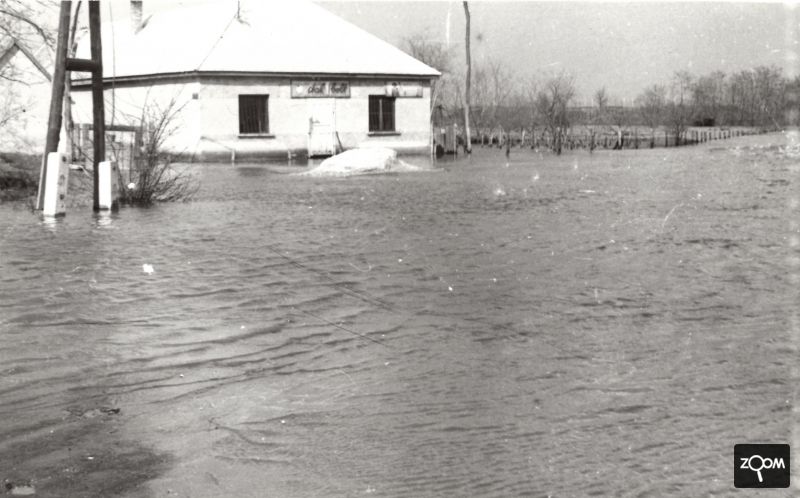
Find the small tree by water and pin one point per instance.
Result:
(153, 176)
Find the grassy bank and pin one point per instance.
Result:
(19, 181)
(19, 176)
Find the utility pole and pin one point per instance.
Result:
(56, 96)
(467, 103)
(63, 64)
(98, 108)
(69, 123)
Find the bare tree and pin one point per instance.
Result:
(770, 90)
(514, 116)
(433, 53)
(23, 21)
(492, 86)
(479, 109)
(618, 119)
(601, 101)
(741, 98)
(552, 104)
(24, 34)
(438, 56)
(21, 28)
(707, 95)
(596, 117)
(529, 91)
(502, 86)
(792, 102)
(467, 101)
(757, 97)
(651, 104)
(680, 109)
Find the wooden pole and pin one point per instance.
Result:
(467, 84)
(98, 109)
(68, 121)
(56, 95)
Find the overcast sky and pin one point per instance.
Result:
(622, 46)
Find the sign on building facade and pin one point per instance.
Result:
(320, 89)
(309, 89)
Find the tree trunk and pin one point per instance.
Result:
(467, 101)
(558, 141)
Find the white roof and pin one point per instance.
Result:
(295, 37)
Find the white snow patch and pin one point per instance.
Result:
(367, 161)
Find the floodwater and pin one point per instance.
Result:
(605, 325)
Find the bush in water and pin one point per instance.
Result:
(154, 177)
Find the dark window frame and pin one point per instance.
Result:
(382, 115)
(254, 114)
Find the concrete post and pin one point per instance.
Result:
(55, 185)
(108, 185)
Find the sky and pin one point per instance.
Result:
(623, 47)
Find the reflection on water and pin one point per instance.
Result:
(51, 223)
(583, 325)
(104, 219)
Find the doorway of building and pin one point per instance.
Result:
(321, 127)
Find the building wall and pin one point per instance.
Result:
(127, 105)
(207, 119)
(289, 118)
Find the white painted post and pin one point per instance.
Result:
(55, 185)
(108, 185)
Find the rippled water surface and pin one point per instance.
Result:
(567, 326)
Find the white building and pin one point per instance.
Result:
(261, 79)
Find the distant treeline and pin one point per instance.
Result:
(501, 102)
(759, 99)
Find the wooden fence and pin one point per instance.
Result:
(583, 138)
(123, 144)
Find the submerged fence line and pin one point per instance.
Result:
(573, 139)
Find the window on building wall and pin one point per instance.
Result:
(381, 113)
(253, 113)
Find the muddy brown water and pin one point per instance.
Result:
(605, 325)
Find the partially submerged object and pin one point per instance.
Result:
(367, 161)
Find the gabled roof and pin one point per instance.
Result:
(292, 37)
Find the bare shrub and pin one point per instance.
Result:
(17, 176)
(153, 177)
